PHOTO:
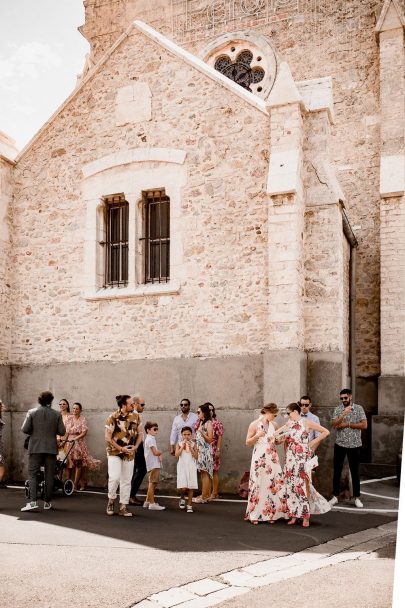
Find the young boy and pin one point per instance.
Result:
(153, 464)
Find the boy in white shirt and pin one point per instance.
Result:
(153, 459)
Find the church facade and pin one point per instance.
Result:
(216, 212)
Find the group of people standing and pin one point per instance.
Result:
(196, 440)
(288, 493)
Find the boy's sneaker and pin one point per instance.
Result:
(110, 507)
(333, 501)
(358, 503)
(146, 504)
(47, 506)
(124, 511)
(30, 506)
(155, 507)
(190, 509)
(182, 503)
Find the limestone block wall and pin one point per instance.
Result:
(222, 305)
(6, 183)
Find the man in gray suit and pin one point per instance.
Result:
(42, 424)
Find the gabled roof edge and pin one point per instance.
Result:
(384, 11)
(199, 65)
(172, 47)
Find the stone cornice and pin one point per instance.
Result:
(136, 155)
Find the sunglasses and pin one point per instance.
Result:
(154, 428)
(344, 398)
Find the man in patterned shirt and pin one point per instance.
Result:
(349, 419)
(121, 431)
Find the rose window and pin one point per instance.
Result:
(240, 70)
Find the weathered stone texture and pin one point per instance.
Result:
(6, 182)
(222, 305)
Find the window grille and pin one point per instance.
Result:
(157, 236)
(116, 243)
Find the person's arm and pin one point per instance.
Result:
(194, 451)
(253, 434)
(155, 451)
(323, 433)
(173, 437)
(179, 449)
(338, 421)
(209, 434)
(84, 431)
(27, 424)
(362, 425)
(109, 439)
(139, 437)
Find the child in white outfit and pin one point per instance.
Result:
(187, 454)
(153, 459)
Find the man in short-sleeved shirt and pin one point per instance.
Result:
(305, 405)
(121, 430)
(186, 418)
(349, 419)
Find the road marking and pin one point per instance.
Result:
(379, 496)
(376, 480)
(365, 510)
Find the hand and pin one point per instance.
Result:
(261, 433)
(172, 451)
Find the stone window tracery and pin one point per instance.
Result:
(240, 70)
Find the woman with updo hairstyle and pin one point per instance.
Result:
(266, 499)
(302, 498)
(204, 435)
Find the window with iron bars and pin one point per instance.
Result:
(157, 236)
(116, 243)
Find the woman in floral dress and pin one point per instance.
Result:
(299, 451)
(266, 499)
(216, 445)
(2, 451)
(76, 429)
(204, 435)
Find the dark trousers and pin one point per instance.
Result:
(139, 470)
(35, 462)
(353, 456)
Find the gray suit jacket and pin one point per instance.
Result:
(42, 424)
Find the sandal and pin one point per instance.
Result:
(271, 521)
(214, 496)
(254, 522)
(305, 522)
(199, 500)
(292, 521)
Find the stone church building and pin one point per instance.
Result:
(216, 212)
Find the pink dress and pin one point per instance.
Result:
(218, 432)
(80, 451)
(296, 477)
(266, 499)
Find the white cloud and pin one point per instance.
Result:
(29, 60)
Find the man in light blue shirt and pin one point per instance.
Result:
(305, 405)
(186, 418)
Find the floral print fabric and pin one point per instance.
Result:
(205, 460)
(266, 499)
(218, 432)
(295, 475)
(79, 451)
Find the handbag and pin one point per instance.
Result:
(244, 485)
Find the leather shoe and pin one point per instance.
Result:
(136, 502)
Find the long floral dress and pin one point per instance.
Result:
(297, 474)
(266, 499)
(80, 451)
(218, 432)
(205, 460)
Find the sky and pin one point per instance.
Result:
(41, 54)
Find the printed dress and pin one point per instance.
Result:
(299, 461)
(266, 499)
(218, 432)
(80, 451)
(187, 469)
(205, 460)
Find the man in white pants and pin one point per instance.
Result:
(121, 430)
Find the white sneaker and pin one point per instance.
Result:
(47, 506)
(182, 503)
(146, 504)
(333, 501)
(358, 503)
(155, 507)
(30, 506)
(189, 509)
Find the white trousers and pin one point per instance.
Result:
(119, 474)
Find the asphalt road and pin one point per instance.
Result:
(77, 553)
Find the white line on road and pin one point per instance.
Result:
(365, 510)
(376, 480)
(380, 496)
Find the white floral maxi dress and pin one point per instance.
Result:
(266, 499)
(205, 460)
(297, 475)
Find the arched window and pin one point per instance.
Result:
(240, 70)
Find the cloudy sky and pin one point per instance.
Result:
(41, 53)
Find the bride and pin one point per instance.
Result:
(266, 499)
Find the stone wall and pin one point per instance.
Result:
(221, 308)
(6, 183)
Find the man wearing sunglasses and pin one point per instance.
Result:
(349, 419)
(305, 404)
(186, 418)
(139, 464)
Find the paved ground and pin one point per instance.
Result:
(79, 554)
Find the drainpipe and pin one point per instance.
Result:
(351, 237)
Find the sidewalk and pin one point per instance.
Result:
(77, 554)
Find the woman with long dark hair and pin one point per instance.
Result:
(204, 435)
(216, 445)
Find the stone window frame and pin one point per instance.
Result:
(233, 43)
(132, 173)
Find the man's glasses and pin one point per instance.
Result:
(183, 404)
(155, 428)
(142, 404)
(344, 398)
